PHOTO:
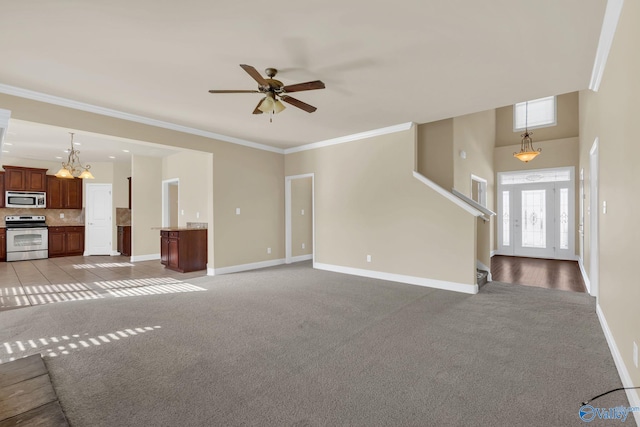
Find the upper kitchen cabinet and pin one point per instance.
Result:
(1, 189)
(64, 193)
(18, 178)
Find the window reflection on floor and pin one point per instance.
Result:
(65, 344)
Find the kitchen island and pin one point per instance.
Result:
(183, 249)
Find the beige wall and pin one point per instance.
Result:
(475, 134)
(146, 205)
(367, 202)
(435, 152)
(174, 204)
(194, 170)
(243, 177)
(556, 153)
(567, 123)
(121, 171)
(611, 115)
(301, 224)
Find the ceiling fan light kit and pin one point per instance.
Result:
(275, 91)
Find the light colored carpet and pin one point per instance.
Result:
(294, 346)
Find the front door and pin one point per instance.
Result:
(98, 221)
(537, 219)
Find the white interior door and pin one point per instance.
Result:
(98, 219)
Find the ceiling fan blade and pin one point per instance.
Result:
(316, 84)
(258, 111)
(297, 103)
(233, 91)
(255, 74)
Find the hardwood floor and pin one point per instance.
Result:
(543, 273)
(26, 395)
(43, 281)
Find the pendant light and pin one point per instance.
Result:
(73, 166)
(527, 152)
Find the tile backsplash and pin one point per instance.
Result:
(71, 216)
(197, 225)
(123, 216)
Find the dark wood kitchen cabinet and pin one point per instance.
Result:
(184, 250)
(3, 244)
(64, 193)
(19, 178)
(1, 189)
(124, 240)
(66, 241)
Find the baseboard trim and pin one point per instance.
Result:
(493, 253)
(585, 276)
(115, 253)
(392, 277)
(632, 395)
(300, 258)
(149, 257)
(246, 267)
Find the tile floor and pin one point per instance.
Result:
(27, 283)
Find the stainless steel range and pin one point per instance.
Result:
(27, 237)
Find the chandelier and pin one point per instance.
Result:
(527, 152)
(73, 167)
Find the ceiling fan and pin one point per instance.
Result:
(275, 91)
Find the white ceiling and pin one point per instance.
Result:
(384, 63)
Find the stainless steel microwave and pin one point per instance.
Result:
(25, 199)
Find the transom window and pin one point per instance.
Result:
(537, 113)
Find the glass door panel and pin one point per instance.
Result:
(534, 219)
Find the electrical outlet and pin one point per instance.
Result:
(303, 246)
(61, 215)
(301, 211)
(268, 250)
(197, 214)
(237, 211)
(604, 207)
(368, 258)
(635, 353)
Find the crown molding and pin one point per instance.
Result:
(69, 103)
(64, 102)
(348, 138)
(609, 26)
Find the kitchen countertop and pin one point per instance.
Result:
(177, 228)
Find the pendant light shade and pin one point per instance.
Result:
(527, 152)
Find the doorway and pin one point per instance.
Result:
(536, 212)
(479, 190)
(170, 202)
(98, 220)
(299, 218)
